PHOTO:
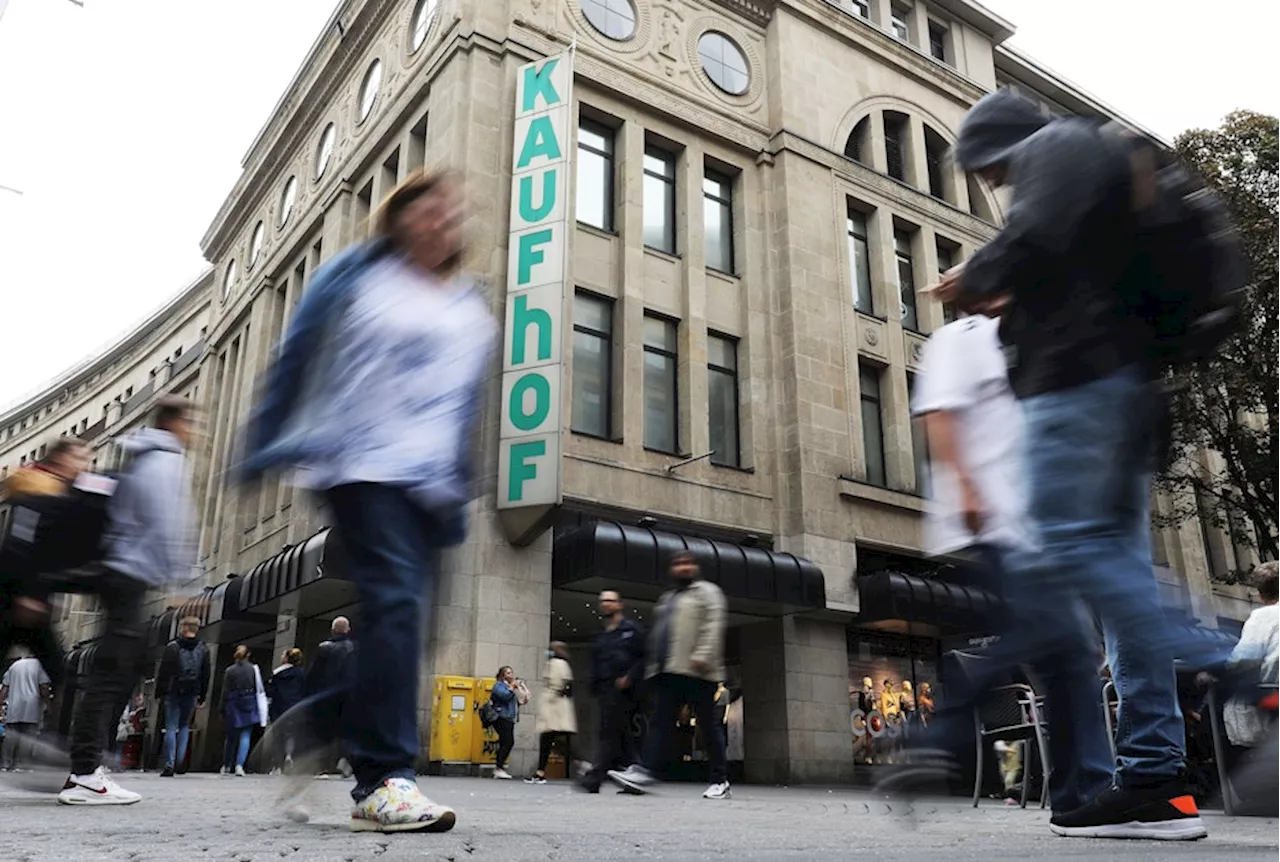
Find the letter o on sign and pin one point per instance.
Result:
(527, 420)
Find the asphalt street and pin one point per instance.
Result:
(200, 817)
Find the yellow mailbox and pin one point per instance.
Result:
(452, 719)
(484, 743)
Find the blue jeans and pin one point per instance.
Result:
(1058, 642)
(1087, 457)
(391, 547)
(178, 709)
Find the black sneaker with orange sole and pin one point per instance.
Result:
(1163, 813)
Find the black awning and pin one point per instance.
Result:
(604, 554)
(313, 566)
(954, 608)
(161, 629)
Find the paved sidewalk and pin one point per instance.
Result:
(199, 817)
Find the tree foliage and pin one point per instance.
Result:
(1228, 405)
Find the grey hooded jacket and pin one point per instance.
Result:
(150, 532)
(1065, 247)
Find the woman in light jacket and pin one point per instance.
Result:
(240, 709)
(556, 717)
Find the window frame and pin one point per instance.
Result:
(732, 374)
(609, 155)
(908, 289)
(949, 312)
(920, 456)
(671, 204)
(674, 356)
(941, 31)
(853, 214)
(607, 339)
(876, 401)
(728, 181)
(900, 21)
(896, 129)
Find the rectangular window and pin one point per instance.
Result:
(919, 444)
(860, 262)
(898, 22)
(872, 423)
(862, 8)
(946, 260)
(906, 280)
(661, 409)
(717, 217)
(722, 373)
(595, 175)
(934, 154)
(660, 199)
(895, 133)
(592, 365)
(938, 41)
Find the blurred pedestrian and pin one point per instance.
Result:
(617, 669)
(149, 543)
(182, 684)
(329, 680)
(1084, 362)
(375, 395)
(685, 664)
(557, 720)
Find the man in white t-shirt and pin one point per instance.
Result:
(25, 690)
(978, 515)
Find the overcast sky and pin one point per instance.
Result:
(123, 123)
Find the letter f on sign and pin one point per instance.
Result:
(537, 82)
(530, 255)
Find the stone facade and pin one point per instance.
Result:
(838, 117)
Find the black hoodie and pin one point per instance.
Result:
(1067, 240)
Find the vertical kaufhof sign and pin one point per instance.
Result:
(537, 267)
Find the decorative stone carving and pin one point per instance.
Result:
(667, 35)
(870, 336)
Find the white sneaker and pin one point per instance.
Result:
(633, 779)
(240, 771)
(399, 806)
(96, 788)
(224, 771)
(502, 774)
(717, 791)
(344, 766)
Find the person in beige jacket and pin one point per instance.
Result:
(556, 716)
(686, 664)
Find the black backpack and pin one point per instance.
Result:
(1189, 271)
(488, 714)
(49, 536)
(190, 664)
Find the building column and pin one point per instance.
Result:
(918, 25)
(875, 140)
(628, 365)
(925, 251)
(917, 164)
(795, 681)
(287, 629)
(957, 184)
(882, 12)
(691, 374)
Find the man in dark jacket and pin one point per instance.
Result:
(1078, 363)
(333, 661)
(182, 684)
(617, 667)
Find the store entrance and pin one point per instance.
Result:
(575, 619)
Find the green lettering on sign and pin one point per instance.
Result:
(539, 140)
(522, 317)
(541, 389)
(530, 255)
(537, 82)
(528, 212)
(521, 470)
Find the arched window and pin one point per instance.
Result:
(935, 153)
(856, 146)
(896, 130)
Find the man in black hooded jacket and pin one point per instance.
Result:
(1078, 362)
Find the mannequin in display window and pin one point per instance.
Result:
(867, 697)
(907, 703)
(889, 703)
(924, 704)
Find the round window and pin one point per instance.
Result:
(255, 244)
(724, 63)
(228, 280)
(324, 150)
(288, 197)
(423, 14)
(615, 19)
(369, 89)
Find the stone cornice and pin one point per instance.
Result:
(755, 11)
(938, 212)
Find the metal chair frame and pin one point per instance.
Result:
(1033, 728)
(1230, 804)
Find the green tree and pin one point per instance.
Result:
(1229, 405)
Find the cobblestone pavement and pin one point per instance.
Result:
(205, 817)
